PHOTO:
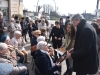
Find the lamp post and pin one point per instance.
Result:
(97, 6)
(55, 5)
(37, 6)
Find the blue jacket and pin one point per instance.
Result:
(34, 41)
(43, 63)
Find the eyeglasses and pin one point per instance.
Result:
(38, 34)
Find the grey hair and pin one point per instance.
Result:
(3, 46)
(41, 44)
(12, 19)
(76, 17)
(43, 19)
(40, 38)
(17, 32)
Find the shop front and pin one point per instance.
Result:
(4, 8)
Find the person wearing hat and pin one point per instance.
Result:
(6, 58)
(12, 49)
(19, 42)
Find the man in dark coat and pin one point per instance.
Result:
(24, 27)
(85, 52)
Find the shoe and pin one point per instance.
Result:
(67, 71)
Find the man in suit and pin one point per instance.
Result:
(85, 52)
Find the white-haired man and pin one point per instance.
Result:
(5, 58)
(84, 55)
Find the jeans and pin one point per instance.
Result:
(68, 65)
(21, 58)
(24, 73)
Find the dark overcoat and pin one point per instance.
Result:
(85, 56)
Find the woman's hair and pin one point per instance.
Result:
(36, 32)
(40, 38)
(72, 30)
(41, 44)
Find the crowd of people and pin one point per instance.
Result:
(81, 42)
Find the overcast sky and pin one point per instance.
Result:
(65, 6)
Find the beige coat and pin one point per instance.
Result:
(12, 30)
(16, 69)
(68, 44)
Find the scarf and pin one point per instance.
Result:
(53, 64)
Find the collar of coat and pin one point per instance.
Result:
(81, 24)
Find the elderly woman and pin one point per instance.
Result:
(18, 41)
(36, 34)
(42, 25)
(46, 67)
(12, 49)
(12, 28)
(31, 27)
(5, 58)
(33, 48)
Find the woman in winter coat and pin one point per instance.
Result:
(68, 44)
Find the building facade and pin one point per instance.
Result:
(11, 7)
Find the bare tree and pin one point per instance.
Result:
(48, 8)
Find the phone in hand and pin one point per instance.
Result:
(62, 58)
